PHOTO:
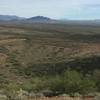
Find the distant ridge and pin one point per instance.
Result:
(43, 19)
(39, 19)
(10, 18)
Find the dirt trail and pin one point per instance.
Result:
(10, 40)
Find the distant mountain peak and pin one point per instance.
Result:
(36, 19)
(39, 18)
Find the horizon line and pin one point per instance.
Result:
(63, 19)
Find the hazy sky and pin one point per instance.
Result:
(60, 9)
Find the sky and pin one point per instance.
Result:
(57, 9)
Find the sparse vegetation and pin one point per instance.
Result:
(49, 59)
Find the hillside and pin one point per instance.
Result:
(46, 50)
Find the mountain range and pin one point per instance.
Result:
(16, 18)
(43, 19)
